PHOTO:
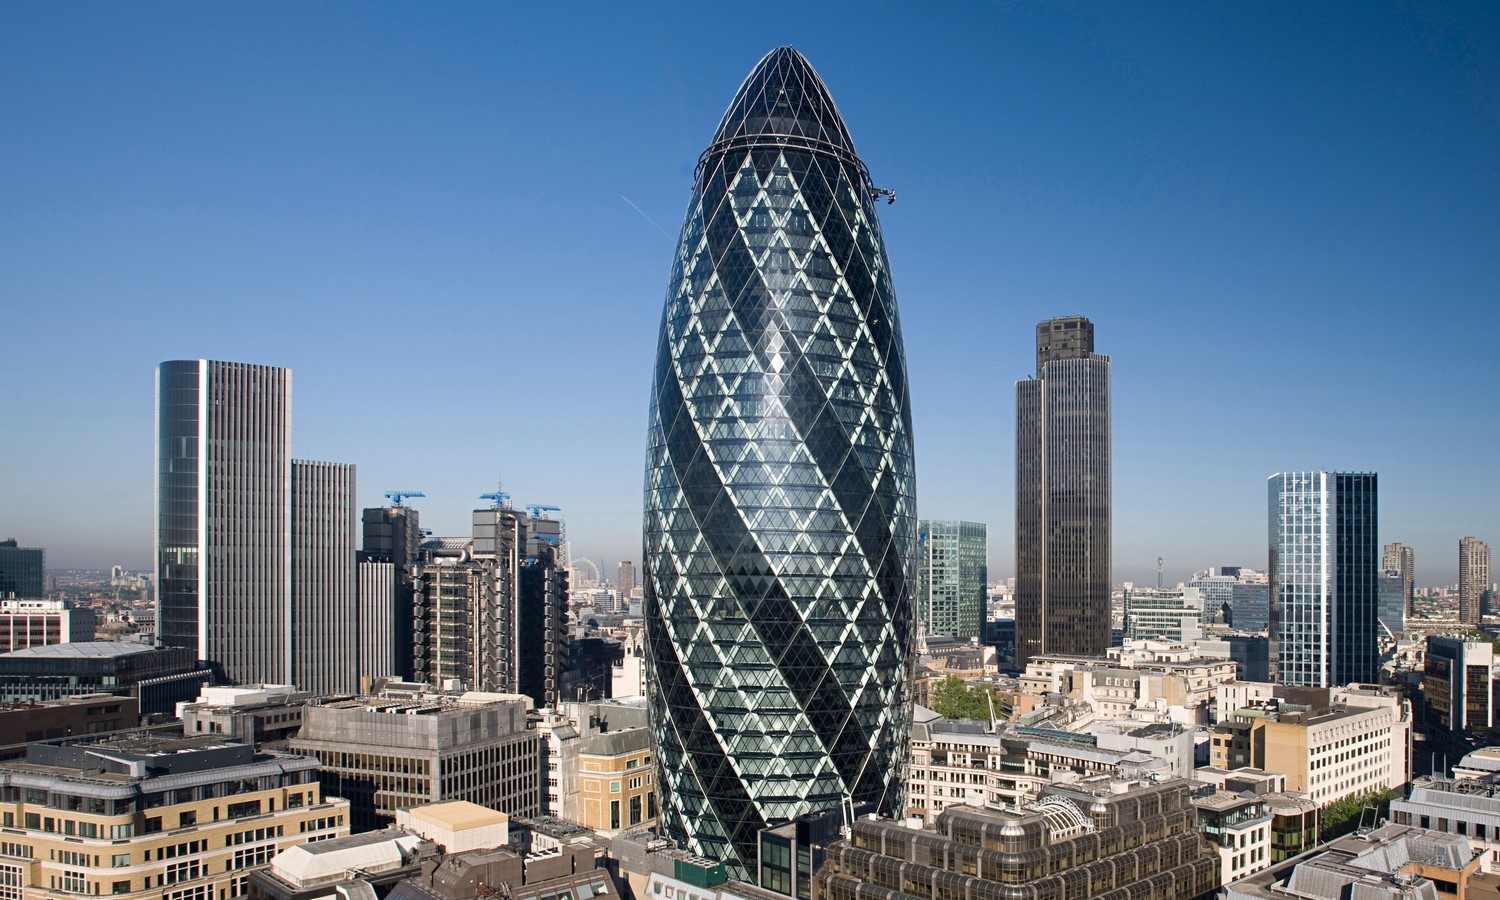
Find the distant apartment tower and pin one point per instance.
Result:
(1063, 495)
(223, 520)
(254, 555)
(1323, 618)
(625, 579)
(1401, 559)
(325, 624)
(952, 577)
(22, 571)
(1473, 579)
(1456, 684)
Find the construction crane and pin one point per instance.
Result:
(498, 499)
(397, 496)
(536, 509)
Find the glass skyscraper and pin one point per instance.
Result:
(780, 529)
(1063, 499)
(953, 577)
(223, 515)
(1324, 556)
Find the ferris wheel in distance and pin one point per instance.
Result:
(576, 572)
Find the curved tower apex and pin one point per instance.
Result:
(783, 101)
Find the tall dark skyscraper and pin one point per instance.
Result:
(1324, 550)
(23, 571)
(780, 530)
(1063, 495)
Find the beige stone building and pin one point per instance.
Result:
(616, 781)
(150, 816)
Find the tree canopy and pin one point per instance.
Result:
(1343, 815)
(954, 699)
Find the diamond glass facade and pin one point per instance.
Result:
(780, 537)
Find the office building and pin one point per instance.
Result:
(364, 866)
(27, 721)
(1467, 808)
(540, 635)
(325, 611)
(1238, 824)
(616, 781)
(625, 578)
(1473, 579)
(952, 577)
(780, 526)
(1101, 837)
(408, 746)
(1216, 587)
(252, 715)
(1402, 559)
(153, 817)
(1063, 495)
(1172, 615)
(791, 852)
(224, 495)
(1324, 601)
(23, 571)
(392, 535)
(157, 677)
(491, 610)
(1391, 604)
(1391, 862)
(1457, 686)
(380, 620)
(37, 623)
(544, 860)
(255, 565)
(1330, 744)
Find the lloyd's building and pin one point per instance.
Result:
(780, 524)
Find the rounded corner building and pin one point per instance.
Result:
(780, 523)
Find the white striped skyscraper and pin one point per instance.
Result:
(325, 652)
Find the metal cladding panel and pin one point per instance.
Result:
(780, 530)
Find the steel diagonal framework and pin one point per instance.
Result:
(780, 538)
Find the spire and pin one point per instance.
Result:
(784, 99)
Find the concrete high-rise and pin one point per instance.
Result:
(1322, 532)
(392, 536)
(1402, 560)
(1473, 579)
(780, 527)
(952, 577)
(1063, 503)
(325, 612)
(625, 579)
(223, 515)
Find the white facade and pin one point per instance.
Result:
(40, 623)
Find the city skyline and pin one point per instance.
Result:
(1216, 189)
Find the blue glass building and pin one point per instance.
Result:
(1324, 557)
(780, 535)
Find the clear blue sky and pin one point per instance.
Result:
(1283, 219)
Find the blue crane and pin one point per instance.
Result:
(497, 499)
(536, 509)
(397, 496)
